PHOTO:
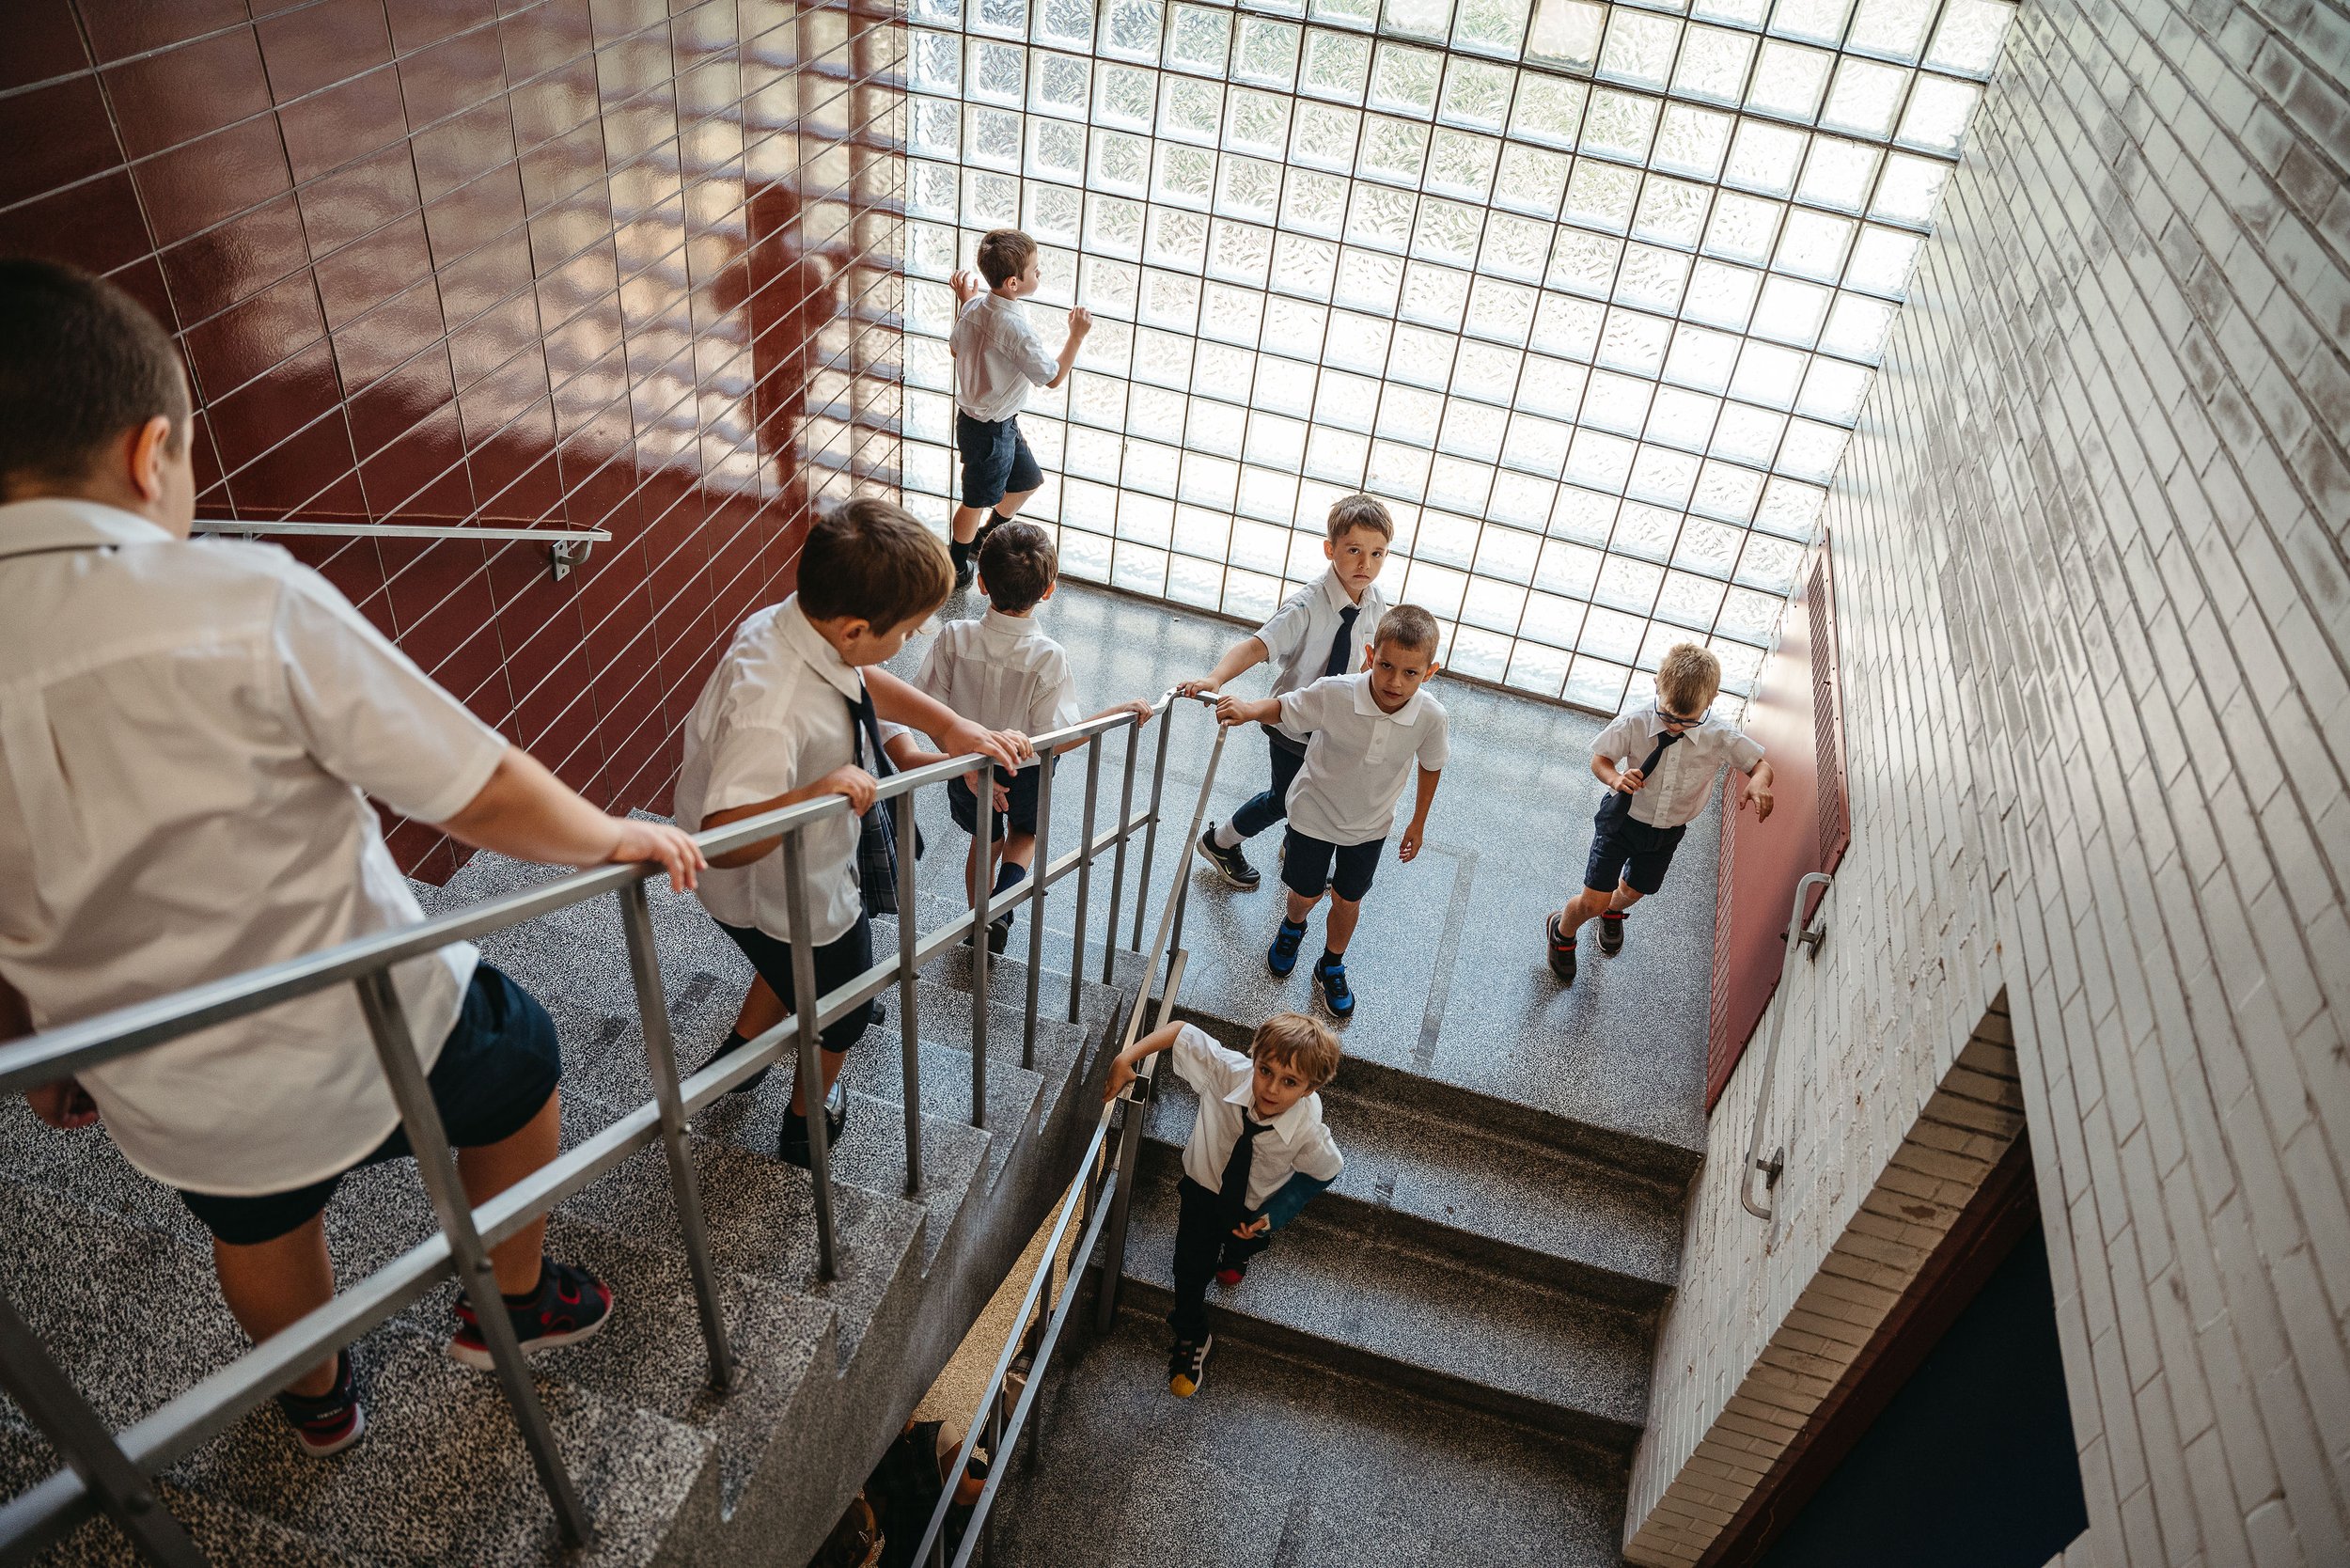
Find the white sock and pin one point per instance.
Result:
(1227, 837)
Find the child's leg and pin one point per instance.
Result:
(1339, 928)
(1269, 804)
(1300, 906)
(761, 1010)
(271, 1284)
(1198, 1241)
(1018, 848)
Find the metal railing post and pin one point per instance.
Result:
(60, 1414)
(1117, 867)
(1085, 872)
(1774, 1166)
(395, 1047)
(1150, 829)
(810, 1088)
(653, 1012)
(983, 881)
(909, 1026)
(1041, 864)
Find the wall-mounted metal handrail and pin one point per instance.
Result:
(1774, 1166)
(216, 526)
(467, 1234)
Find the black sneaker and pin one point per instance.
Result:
(1231, 864)
(1611, 933)
(571, 1305)
(1187, 1366)
(733, 1044)
(329, 1422)
(1561, 953)
(1337, 995)
(965, 571)
(791, 1137)
(1283, 956)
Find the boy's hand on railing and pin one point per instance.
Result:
(671, 848)
(65, 1104)
(1193, 688)
(1141, 707)
(854, 782)
(1122, 1073)
(1230, 711)
(1008, 746)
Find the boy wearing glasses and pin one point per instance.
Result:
(1659, 759)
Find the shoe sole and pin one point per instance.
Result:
(466, 1356)
(1183, 1386)
(1217, 867)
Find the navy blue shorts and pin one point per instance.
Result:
(1310, 864)
(495, 1072)
(964, 805)
(996, 459)
(1626, 850)
(838, 961)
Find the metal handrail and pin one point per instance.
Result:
(1773, 1168)
(103, 1465)
(399, 530)
(1115, 1182)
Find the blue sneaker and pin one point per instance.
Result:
(1335, 994)
(1282, 958)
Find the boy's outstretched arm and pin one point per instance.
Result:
(526, 811)
(1759, 790)
(1122, 1066)
(1240, 710)
(1139, 707)
(1242, 657)
(1080, 323)
(903, 704)
(1418, 826)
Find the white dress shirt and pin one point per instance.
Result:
(1684, 775)
(773, 717)
(1297, 638)
(1001, 672)
(1226, 1084)
(1359, 759)
(997, 355)
(190, 732)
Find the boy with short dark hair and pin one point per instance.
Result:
(1256, 1156)
(1367, 730)
(1002, 673)
(1318, 631)
(793, 713)
(998, 355)
(1650, 805)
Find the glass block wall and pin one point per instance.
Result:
(1591, 294)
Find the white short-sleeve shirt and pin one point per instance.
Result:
(1676, 792)
(773, 717)
(1298, 639)
(1001, 672)
(1227, 1086)
(997, 357)
(190, 733)
(1359, 758)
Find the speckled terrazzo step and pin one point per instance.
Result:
(1418, 1321)
(1099, 1006)
(1539, 1216)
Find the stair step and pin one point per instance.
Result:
(1063, 1050)
(1421, 1321)
(1487, 1201)
(1099, 1006)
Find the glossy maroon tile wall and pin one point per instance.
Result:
(565, 265)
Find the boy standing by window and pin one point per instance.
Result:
(997, 355)
(1680, 749)
(1318, 631)
(793, 713)
(1002, 673)
(1258, 1153)
(1368, 731)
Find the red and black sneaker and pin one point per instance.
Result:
(1230, 1274)
(328, 1422)
(1611, 931)
(570, 1305)
(1561, 952)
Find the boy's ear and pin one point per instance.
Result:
(1329, 549)
(1048, 591)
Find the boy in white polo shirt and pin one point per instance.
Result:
(1318, 631)
(189, 738)
(997, 358)
(1002, 673)
(1369, 730)
(1256, 1156)
(1659, 759)
(792, 712)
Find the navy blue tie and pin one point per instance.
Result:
(1337, 663)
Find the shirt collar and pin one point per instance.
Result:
(1286, 1125)
(1009, 628)
(61, 523)
(1366, 704)
(802, 637)
(1334, 594)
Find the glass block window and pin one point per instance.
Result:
(1591, 294)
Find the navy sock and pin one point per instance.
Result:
(1288, 924)
(1008, 874)
(1329, 958)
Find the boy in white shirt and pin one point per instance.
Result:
(1256, 1156)
(793, 713)
(1680, 749)
(1368, 732)
(998, 355)
(1318, 631)
(1002, 673)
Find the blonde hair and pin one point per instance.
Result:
(1361, 512)
(1689, 678)
(1296, 1041)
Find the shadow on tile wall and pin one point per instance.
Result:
(562, 264)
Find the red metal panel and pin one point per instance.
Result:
(431, 265)
(1797, 717)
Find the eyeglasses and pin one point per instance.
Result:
(1675, 721)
